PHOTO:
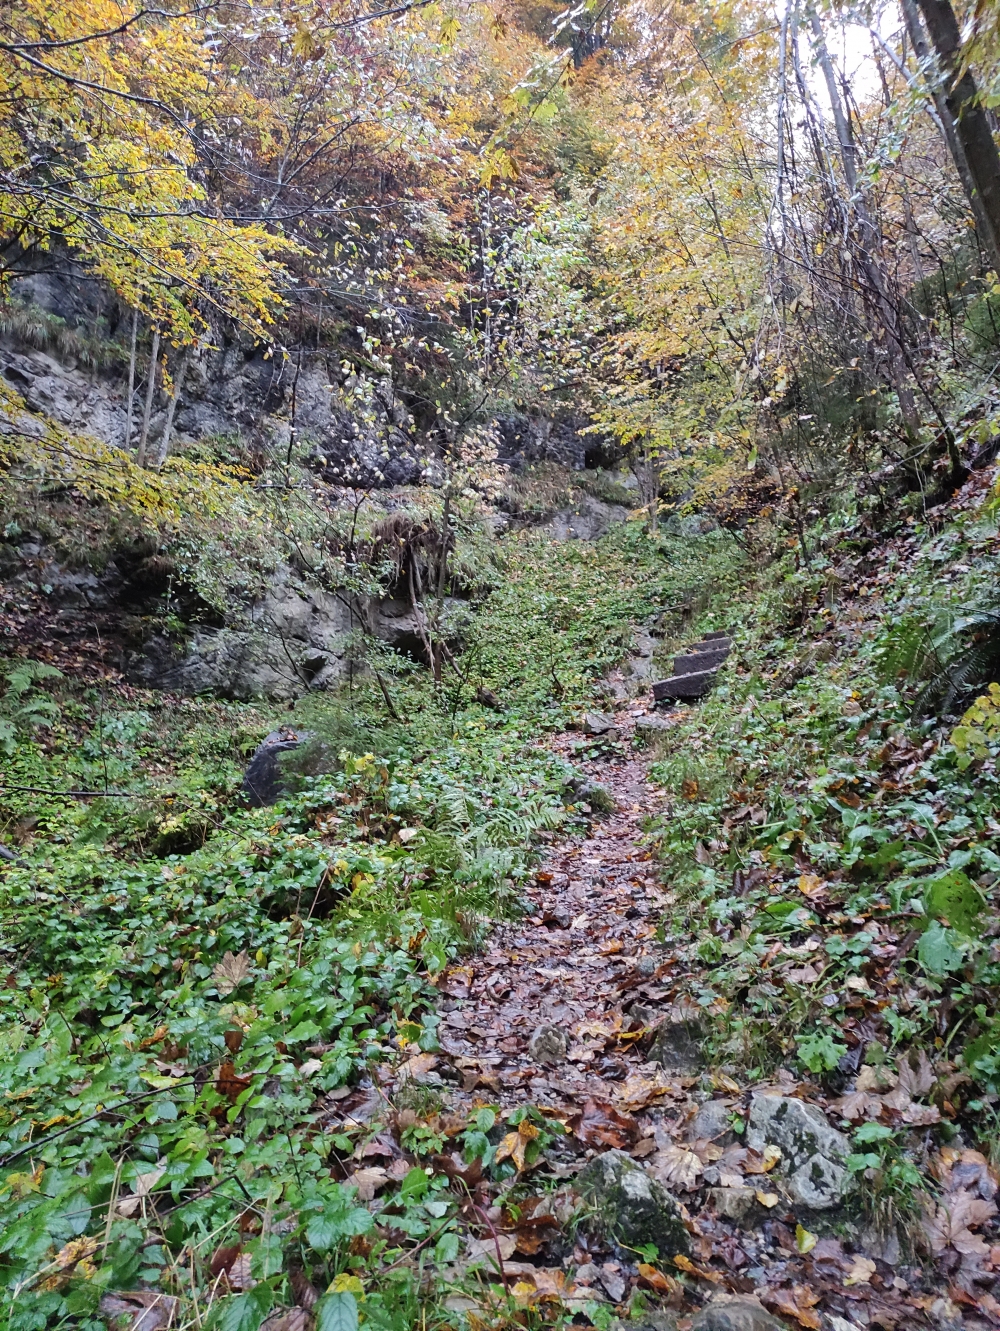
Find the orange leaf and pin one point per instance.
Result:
(649, 1275)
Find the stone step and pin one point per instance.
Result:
(721, 644)
(683, 665)
(716, 633)
(693, 685)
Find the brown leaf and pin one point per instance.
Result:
(515, 1144)
(950, 1224)
(239, 1275)
(233, 1039)
(417, 1067)
(686, 1265)
(757, 1163)
(223, 1258)
(676, 1167)
(637, 1092)
(860, 1270)
(231, 971)
(228, 1084)
(368, 1181)
(149, 1310)
(663, 1284)
(916, 1076)
(797, 1302)
(856, 1105)
(600, 1124)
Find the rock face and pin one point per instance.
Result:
(813, 1154)
(632, 1205)
(729, 1313)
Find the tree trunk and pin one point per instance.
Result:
(160, 453)
(868, 240)
(147, 411)
(131, 381)
(970, 121)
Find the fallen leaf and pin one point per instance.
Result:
(238, 1275)
(149, 1310)
(797, 1302)
(686, 1265)
(768, 1199)
(478, 1248)
(916, 1076)
(950, 1224)
(676, 1167)
(804, 1240)
(228, 1084)
(757, 1163)
(663, 1284)
(811, 885)
(860, 1270)
(368, 1181)
(231, 971)
(416, 1067)
(600, 1124)
(637, 1092)
(75, 1251)
(515, 1144)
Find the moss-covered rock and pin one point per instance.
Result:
(632, 1206)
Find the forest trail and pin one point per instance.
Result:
(585, 952)
(558, 1015)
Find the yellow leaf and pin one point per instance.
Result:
(768, 1199)
(804, 1240)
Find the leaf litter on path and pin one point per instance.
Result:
(586, 961)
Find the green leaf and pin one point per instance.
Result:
(955, 896)
(820, 1052)
(937, 950)
(243, 1312)
(337, 1312)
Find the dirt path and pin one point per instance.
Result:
(558, 1012)
(587, 951)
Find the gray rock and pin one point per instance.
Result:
(712, 1123)
(263, 782)
(727, 1312)
(589, 520)
(648, 728)
(597, 723)
(677, 1047)
(596, 795)
(739, 1205)
(632, 1206)
(813, 1154)
(548, 1044)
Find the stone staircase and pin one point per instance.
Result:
(694, 671)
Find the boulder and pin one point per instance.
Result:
(598, 723)
(548, 1044)
(677, 1047)
(632, 1206)
(648, 728)
(263, 781)
(727, 1312)
(813, 1155)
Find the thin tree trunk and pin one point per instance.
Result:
(868, 237)
(131, 381)
(160, 454)
(966, 125)
(150, 390)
